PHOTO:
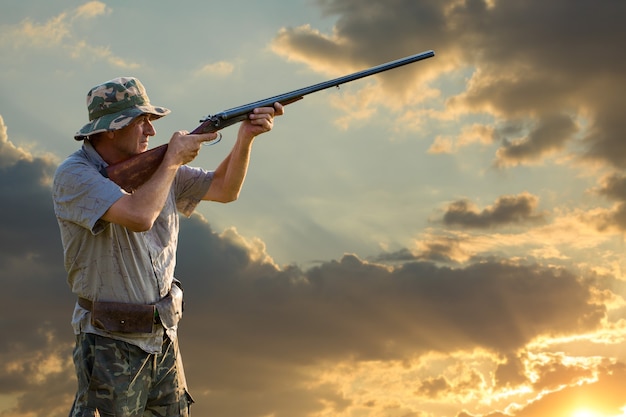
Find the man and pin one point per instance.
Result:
(120, 250)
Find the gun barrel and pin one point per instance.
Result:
(247, 108)
(133, 172)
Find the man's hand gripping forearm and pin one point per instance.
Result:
(139, 210)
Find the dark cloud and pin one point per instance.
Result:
(547, 64)
(433, 386)
(257, 320)
(444, 249)
(606, 140)
(30, 255)
(381, 31)
(438, 387)
(551, 133)
(511, 373)
(613, 187)
(612, 219)
(401, 255)
(507, 210)
(542, 61)
(350, 307)
(556, 374)
(250, 326)
(35, 350)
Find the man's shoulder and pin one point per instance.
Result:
(77, 157)
(77, 161)
(80, 160)
(79, 170)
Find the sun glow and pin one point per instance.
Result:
(585, 413)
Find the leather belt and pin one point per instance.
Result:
(85, 303)
(88, 305)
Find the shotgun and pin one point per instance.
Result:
(133, 172)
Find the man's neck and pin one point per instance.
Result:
(108, 153)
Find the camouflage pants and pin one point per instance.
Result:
(118, 379)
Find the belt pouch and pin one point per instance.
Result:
(122, 317)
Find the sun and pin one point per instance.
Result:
(585, 413)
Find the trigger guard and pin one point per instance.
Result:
(214, 141)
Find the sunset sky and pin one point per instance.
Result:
(442, 240)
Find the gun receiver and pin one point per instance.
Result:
(133, 172)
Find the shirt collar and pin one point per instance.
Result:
(94, 157)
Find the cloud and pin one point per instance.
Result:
(471, 134)
(402, 330)
(562, 236)
(351, 311)
(36, 350)
(32, 34)
(446, 248)
(556, 374)
(305, 44)
(9, 153)
(600, 396)
(220, 68)
(533, 69)
(510, 373)
(91, 10)
(550, 135)
(338, 54)
(507, 210)
(352, 308)
(527, 64)
(53, 32)
(60, 34)
(257, 328)
(613, 187)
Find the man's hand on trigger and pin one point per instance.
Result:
(184, 148)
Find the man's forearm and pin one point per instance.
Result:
(230, 175)
(139, 210)
(151, 197)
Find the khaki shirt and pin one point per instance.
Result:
(106, 261)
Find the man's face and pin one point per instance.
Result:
(134, 138)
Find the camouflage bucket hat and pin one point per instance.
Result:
(114, 104)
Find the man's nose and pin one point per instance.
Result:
(149, 128)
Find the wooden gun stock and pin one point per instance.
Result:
(135, 171)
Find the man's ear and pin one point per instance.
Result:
(99, 137)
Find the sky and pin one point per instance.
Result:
(442, 240)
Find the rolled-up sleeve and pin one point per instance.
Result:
(82, 195)
(191, 184)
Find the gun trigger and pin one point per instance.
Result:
(214, 141)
